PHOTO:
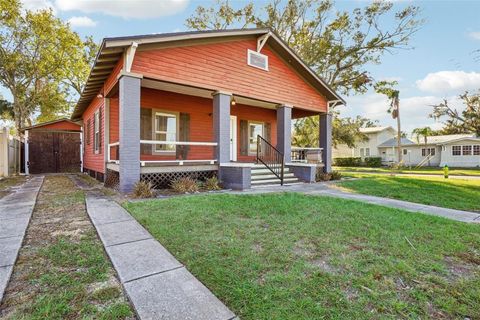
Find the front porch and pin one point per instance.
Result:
(157, 131)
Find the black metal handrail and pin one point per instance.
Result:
(270, 157)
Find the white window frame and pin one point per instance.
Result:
(96, 132)
(367, 152)
(257, 53)
(464, 147)
(405, 151)
(362, 152)
(460, 150)
(476, 150)
(250, 151)
(157, 112)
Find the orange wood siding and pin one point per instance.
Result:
(258, 115)
(224, 66)
(91, 160)
(201, 121)
(62, 125)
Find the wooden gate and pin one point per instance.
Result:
(52, 152)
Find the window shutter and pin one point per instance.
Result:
(268, 132)
(92, 134)
(146, 130)
(100, 124)
(184, 135)
(89, 128)
(244, 137)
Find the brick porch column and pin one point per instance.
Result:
(326, 140)
(284, 131)
(221, 125)
(129, 125)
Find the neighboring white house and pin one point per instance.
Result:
(369, 148)
(456, 150)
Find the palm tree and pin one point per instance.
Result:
(424, 132)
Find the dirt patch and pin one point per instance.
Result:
(458, 269)
(323, 264)
(304, 249)
(61, 261)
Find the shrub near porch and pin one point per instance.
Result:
(291, 256)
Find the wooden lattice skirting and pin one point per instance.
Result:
(112, 179)
(162, 180)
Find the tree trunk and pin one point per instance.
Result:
(399, 132)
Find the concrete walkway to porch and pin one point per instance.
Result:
(15, 212)
(158, 286)
(327, 189)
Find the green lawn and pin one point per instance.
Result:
(449, 193)
(431, 170)
(293, 256)
(62, 271)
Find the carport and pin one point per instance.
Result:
(53, 147)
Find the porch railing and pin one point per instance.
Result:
(271, 158)
(306, 155)
(116, 145)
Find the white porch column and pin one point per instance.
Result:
(284, 131)
(129, 125)
(221, 125)
(326, 140)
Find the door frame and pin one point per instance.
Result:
(234, 139)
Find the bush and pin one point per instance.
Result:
(185, 185)
(212, 184)
(143, 189)
(323, 177)
(335, 175)
(348, 162)
(373, 162)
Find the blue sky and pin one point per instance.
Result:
(440, 65)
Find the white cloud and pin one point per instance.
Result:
(474, 35)
(446, 82)
(38, 4)
(125, 8)
(82, 22)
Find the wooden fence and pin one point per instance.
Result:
(11, 153)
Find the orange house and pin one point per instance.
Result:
(158, 107)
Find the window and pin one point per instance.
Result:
(362, 152)
(456, 150)
(428, 152)
(405, 152)
(257, 60)
(165, 129)
(367, 152)
(467, 150)
(476, 150)
(254, 129)
(96, 132)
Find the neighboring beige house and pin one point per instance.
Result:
(376, 136)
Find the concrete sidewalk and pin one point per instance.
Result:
(158, 286)
(15, 212)
(328, 189)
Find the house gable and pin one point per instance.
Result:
(224, 65)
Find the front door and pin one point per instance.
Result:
(233, 138)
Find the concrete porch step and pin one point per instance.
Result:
(271, 176)
(274, 181)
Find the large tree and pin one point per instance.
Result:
(338, 45)
(43, 63)
(466, 121)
